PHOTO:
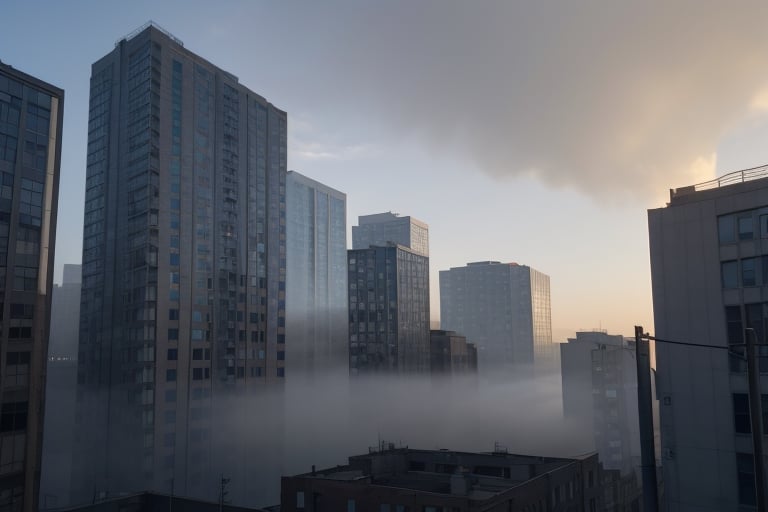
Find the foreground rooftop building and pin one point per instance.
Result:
(404, 480)
(183, 298)
(709, 268)
(30, 154)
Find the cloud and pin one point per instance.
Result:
(609, 98)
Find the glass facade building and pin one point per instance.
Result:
(383, 228)
(30, 154)
(504, 308)
(316, 276)
(388, 310)
(183, 293)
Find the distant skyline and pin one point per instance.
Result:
(538, 134)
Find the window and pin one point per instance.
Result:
(173, 334)
(197, 374)
(170, 375)
(173, 354)
(745, 474)
(745, 227)
(170, 395)
(725, 229)
(173, 314)
(350, 505)
(22, 311)
(729, 271)
(300, 499)
(281, 372)
(735, 330)
(16, 369)
(742, 424)
(13, 416)
(748, 272)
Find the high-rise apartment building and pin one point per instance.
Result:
(316, 276)
(709, 270)
(183, 295)
(388, 310)
(383, 228)
(30, 154)
(503, 308)
(599, 382)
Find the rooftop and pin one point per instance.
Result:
(144, 27)
(732, 178)
(478, 476)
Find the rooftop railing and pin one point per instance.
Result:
(755, 173)
(145, 26)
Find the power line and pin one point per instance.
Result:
(687, 343)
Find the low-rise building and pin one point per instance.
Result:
(389, 479)
(450, 354)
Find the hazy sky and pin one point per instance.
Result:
(530, 132)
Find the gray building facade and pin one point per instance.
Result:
(599, 382)
(388, 310)
(30, 155)
(183, 293)
(60, 390)
(316, 276)
(65, 315)
(384, 228)
(709, 271)
(504, 308)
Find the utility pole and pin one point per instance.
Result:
(223, 492)
(755, 417)
(645, 413)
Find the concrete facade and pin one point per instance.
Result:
(30, 154)
(405, 480)
(504, 308)
(709, 256)
(316, 276)
(182, 315)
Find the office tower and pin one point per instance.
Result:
(388, 310)
(503, 308)
(383, 228)
(403, 479)
(30, 154)
(183, 296)
(599, 382)
(60, 390)
(316, 276)
(709, 270)
(450, 354)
